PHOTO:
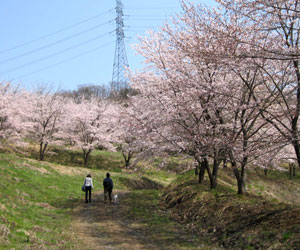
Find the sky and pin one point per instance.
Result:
(68, 43)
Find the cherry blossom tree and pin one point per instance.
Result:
(42, 117)
(237, 45)
(271, 38)
(7, 121)
(183, 91)
(129, 142)
(129, 147)
(90, 124)
(212, 99)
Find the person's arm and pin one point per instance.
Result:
(92, 183)
(84, 181)
(112, 184)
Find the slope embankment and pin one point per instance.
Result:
(257, 220)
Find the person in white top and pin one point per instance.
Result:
(88, 183)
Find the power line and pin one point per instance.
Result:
(56, 53)
(147, 19)
(153, 8)
(147, 16)
(64, 61)
(139, 27)
(56, 42)
(55, 32)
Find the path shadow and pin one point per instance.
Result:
(142, 183)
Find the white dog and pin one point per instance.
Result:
(115, 199)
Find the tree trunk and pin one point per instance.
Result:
(296, 147)
(213, 181)
(291, 171)
(41, 152)
(296, 116)
(196, 170)
(294, 169)
(212, 178)
(43, 148)
(241, 186)
(127, 157)
(127, 161)
(203, 165)
(266, 171)
(240, 177)
(217, 163)
(86, 154)
(224, 163)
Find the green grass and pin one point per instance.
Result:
(171, 164)
(276, 186)
(286, 235)
(143, 202)
(37, 200)
(35, 206)
(112, 161)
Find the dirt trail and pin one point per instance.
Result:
(102, 225)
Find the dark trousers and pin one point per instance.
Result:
(88, 194)
(107, 192)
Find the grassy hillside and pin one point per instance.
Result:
(37, 201)
(267, 218)
(35, 204)
(38, 198)
(71, 156)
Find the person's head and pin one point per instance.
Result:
(107, 175)
(89, 176)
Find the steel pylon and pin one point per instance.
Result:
(119, 80)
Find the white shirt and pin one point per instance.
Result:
(88, 182)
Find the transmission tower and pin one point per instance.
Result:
(119, 81)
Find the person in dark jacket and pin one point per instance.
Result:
(108, 187)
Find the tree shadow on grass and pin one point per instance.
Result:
(69, 203)
(141, 183)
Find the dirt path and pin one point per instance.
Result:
(102, 225)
